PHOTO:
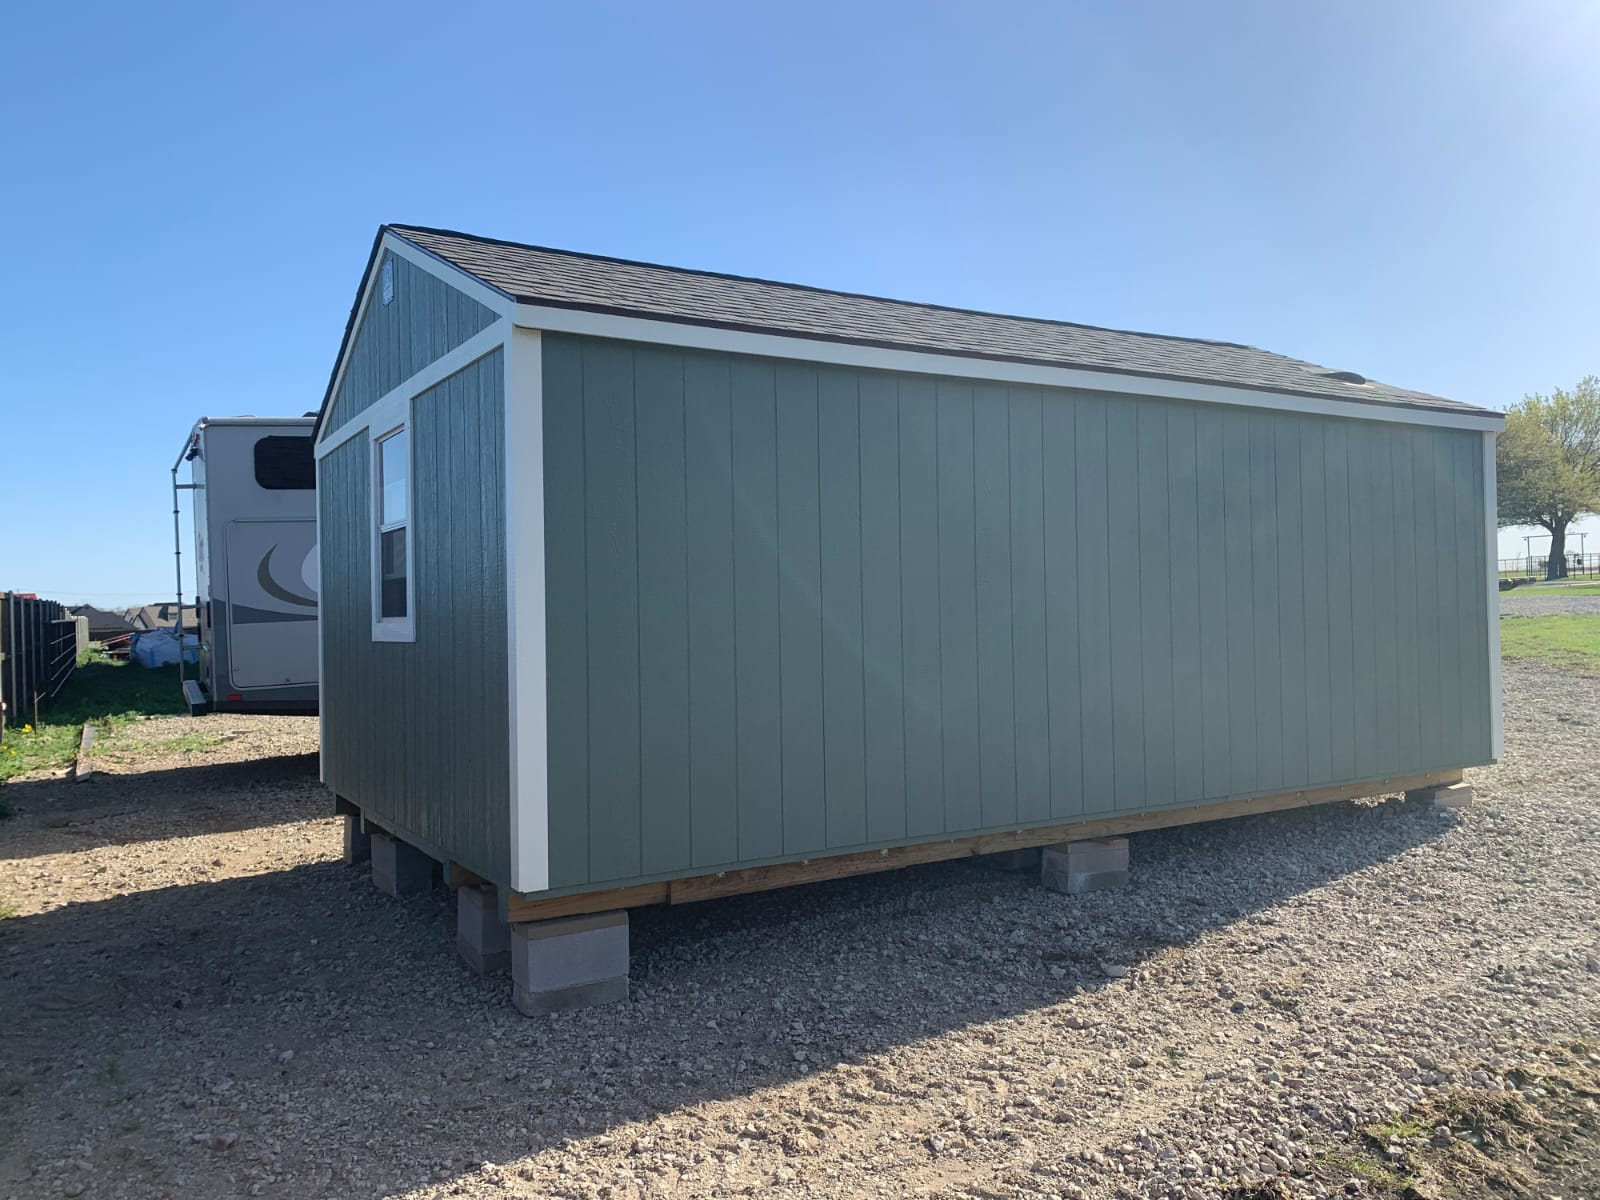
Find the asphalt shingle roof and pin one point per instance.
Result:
(561, 278)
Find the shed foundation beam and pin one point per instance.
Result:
(482, 939)
(399, 868)
(569, 962)
(357, 844)
(1087, 866)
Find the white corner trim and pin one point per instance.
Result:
(525, 612)
(322, 633)
(916, 362)
(1491, 504)
(394, 406)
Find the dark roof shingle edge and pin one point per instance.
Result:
(603, 284)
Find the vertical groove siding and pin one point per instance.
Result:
(797, 610)
(426, 319)
(415, 733)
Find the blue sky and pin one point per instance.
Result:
(1408, 191)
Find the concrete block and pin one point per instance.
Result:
(1088, 866)
(1451, 796)
(399, 868)
(482, 939)
(357, 845)
(1456, 796)
(569, 962)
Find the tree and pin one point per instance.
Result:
(1548, 464)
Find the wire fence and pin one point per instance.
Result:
(38, 653)
(1536, 566)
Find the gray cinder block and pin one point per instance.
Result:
(1088, 866)
(357, 845)
(399, 868)
(1450, 796)
(569, 962)
(482, 939)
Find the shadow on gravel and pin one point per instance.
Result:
(175, 1007)
(215, 797)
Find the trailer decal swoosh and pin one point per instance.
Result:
(272, 588)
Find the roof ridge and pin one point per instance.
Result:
(825, 291)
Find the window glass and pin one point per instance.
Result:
(392, 577)
(394, 463)
(285, 464)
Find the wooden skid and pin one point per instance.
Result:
(838, 866)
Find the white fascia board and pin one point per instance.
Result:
(392, 243)
(322, 633)
(1491, 535)
(916, 362)
(525, 612)
(392, 407)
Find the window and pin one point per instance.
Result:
(392, 600)
(285, 464)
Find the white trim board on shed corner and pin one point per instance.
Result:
(1491, 504)
(917, 362)
(525, 612)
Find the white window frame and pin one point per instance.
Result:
(393, 629)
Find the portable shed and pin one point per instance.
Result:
(643, 584)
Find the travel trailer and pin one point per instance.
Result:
(255, 574)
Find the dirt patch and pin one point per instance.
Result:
(200, 999)
(1533, 1132)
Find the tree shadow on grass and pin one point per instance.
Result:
(168, 1013)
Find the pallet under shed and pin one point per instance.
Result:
(643, 585)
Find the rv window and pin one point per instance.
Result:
(394, 511)
(285, 464)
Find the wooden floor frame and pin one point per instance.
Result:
(521, 908)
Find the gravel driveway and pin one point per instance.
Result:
(1546, 602)
(199, 999)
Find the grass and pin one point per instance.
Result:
(104, 692)
(133, 747)
(1570, 642)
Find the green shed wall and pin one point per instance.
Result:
(795, 609)
(416, 733)
(426, 319)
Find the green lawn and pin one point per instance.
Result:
(103, 691)
(1571, 642)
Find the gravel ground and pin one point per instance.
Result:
(200, 999)
(1547, 602)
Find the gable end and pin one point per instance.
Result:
(412, 318)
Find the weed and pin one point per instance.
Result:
(103, 692)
